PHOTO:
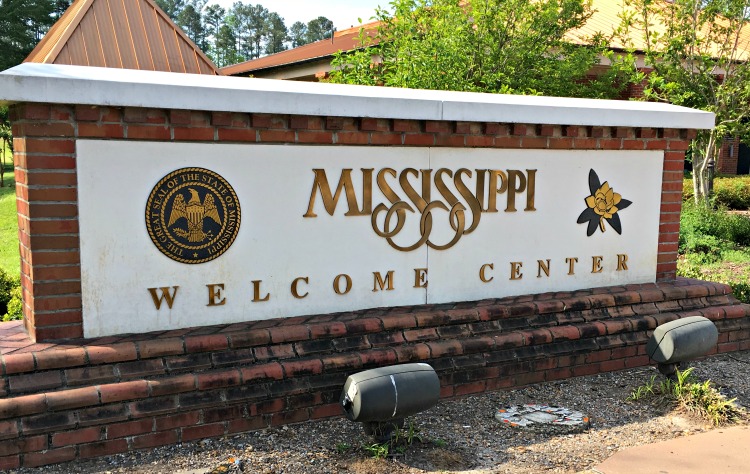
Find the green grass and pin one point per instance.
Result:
(9, 259)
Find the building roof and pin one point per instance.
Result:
(126, 34)
(605, 19)
(344, 40)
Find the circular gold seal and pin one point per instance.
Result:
(193, 215)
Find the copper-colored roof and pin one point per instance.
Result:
(344, 40)
(126, 34)
(605, 19)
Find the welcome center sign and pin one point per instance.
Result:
(178, 235)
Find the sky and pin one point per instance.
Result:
(343, 13)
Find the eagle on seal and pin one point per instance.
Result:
(195, 212)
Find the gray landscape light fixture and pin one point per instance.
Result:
(681, 340)
(381, 398)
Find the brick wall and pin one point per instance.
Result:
(114, 394)
(45, 163)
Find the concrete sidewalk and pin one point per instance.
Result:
(721, 451)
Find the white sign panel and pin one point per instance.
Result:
(177, 235)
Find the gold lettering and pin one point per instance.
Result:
(571, 261)
(622, 261)
(165, 296)
(542, 266)
(530, 190)
(494, 190)
(330, 200)
(214, 295)
(516, 184)
(596, 264)
(380, 284)
(483, 276)
(403, 180)
(337, 284)
(420, 278)
(474, 204)
(295, 291)
(256, 292)
(515, 270)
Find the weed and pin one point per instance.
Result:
(342, 448)
(694, 396)
(377, 450)
(440, 443)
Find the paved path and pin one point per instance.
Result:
(721, 451)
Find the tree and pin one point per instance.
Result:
(277, 34)
(22, 25)
(171, 7)
(191, 21)
(226, 52)
(213, 19)
(318, 29)
(297, 34)
(510, 46)
(6, 141)
(698, 55)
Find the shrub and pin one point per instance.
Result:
(15, 305)
(7, 284)
(731, 192)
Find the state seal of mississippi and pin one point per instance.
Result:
(193, 215)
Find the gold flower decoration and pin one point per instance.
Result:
(602, 205)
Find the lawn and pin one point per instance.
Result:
(9, 258)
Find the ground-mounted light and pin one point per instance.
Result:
(381, 398)
(681, 340)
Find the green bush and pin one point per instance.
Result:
(711, 231)
(7, 284)
(15, 305)
(731, 192)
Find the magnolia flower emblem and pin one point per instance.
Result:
(603, 205)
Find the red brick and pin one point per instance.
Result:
(359, 326)
(329, 329)
(90, 375)
(114, 353)
(298, 368)
(177, 421)
(226, 378)
(205, 134)
(117, 392)
(413, 353)
(289, 333)
(268, 371)
(141, 368)
(17, 363)
(148, 132)
(31, 111)
(130, 428)
(47, 422)
(255, 337)
(35, 381)
(420, 139)
(388, 139)
(51, 456)
(25, 445)
(238, 135)
(277, 136)
(352, 138)
(103, 448)
(179, 117)
(469, 388)
(102, 415)
(162, 438)
(74, 398)
(85, 435)
(281, 351)
(316, 137)
(211, 342)
(445, 348)
(173, 385)
(202, 431)
(400, 125)
(378, 358)
(49, 129)
(160, 347)
(326, 411)
(95, 130)
(246, 424)
(8, 429)
(348, 362)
